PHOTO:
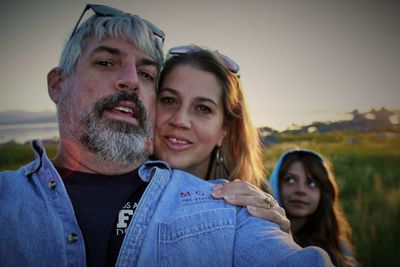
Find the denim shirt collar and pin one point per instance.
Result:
(146, 171)
(39, 152)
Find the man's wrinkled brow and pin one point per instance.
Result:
(108, 49)
(116, 52)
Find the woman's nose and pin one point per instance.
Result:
(181, 119)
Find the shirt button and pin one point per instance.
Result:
(72, 238)
(52, 184)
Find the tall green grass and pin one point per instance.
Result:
(14, 155)
(366, 167)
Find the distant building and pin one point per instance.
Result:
(268, 136)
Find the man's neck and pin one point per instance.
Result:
(73, 156)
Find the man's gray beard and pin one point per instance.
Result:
(116, 141)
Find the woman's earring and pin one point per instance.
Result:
(219, 157)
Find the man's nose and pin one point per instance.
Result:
(128, 79)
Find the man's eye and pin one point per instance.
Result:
(104, 63)
(146, 75)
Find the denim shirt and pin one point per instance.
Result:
(177, 223)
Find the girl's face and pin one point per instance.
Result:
(300, 193)
(189, 119)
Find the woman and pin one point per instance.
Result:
(304, 185)
(203, 127)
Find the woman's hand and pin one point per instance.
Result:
(257, 202)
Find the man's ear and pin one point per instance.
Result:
(55, 79)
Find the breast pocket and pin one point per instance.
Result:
(201, 239)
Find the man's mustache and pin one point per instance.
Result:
(113, 101)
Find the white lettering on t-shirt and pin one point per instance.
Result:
(124, 217)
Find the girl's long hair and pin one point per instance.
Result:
(328, 227)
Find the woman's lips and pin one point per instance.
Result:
(176, 143)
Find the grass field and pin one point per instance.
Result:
(367, 170)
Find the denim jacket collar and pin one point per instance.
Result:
(146, 171)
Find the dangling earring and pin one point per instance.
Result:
(220, 168)
(219, 158)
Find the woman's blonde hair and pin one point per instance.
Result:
(239, 157)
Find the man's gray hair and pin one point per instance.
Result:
(126, 27)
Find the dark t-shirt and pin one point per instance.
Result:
(104, 206)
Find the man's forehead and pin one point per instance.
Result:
(117, 47)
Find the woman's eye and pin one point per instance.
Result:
(204, 109)
(167, 100)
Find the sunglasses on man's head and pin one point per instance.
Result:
(106, 11)
(184, 49)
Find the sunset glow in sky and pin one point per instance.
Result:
(301, 61)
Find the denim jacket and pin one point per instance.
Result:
(177, 223)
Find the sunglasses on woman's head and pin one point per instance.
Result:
(185, 49)
(106, 11)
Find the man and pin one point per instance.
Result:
(67, 212)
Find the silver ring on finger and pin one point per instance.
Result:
(268, 202)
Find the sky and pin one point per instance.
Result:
(301, 61)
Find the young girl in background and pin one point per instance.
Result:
(303, 183)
